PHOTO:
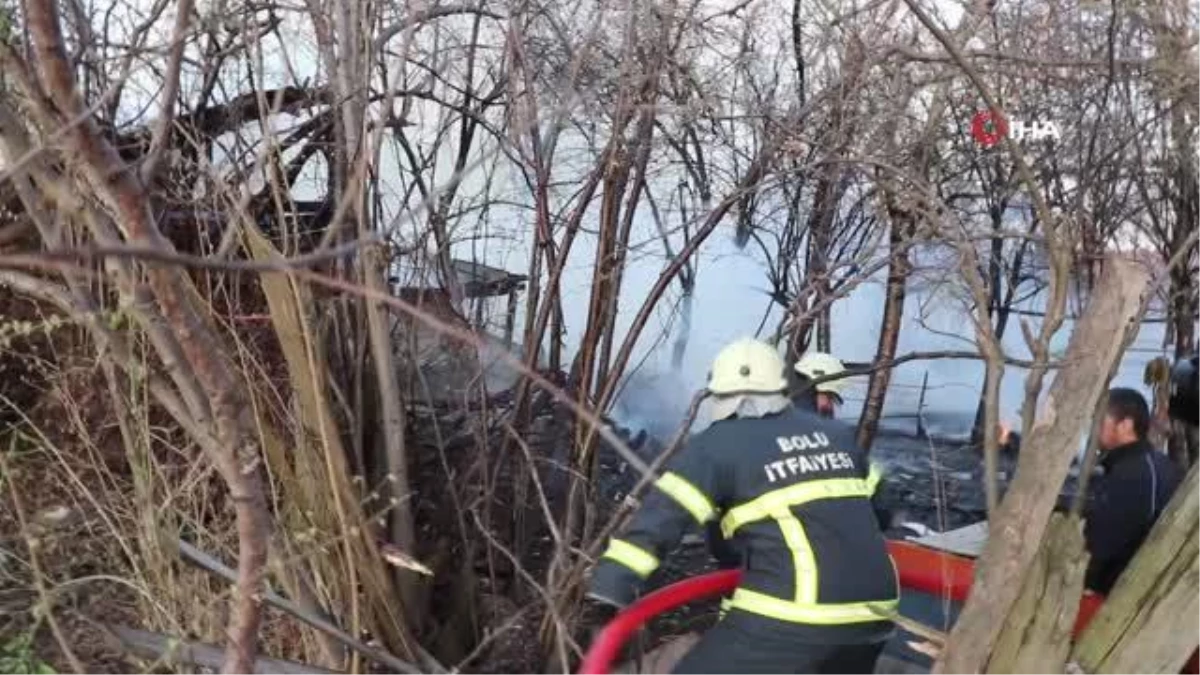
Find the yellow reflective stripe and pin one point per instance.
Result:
(803, 560)
(895, 574)
(688, 496)
(873, 477)
(820, 614)
(641, 561)
(784, 498)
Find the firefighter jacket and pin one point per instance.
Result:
(791, 494)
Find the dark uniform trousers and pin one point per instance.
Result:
(789, 497)
(738, 644)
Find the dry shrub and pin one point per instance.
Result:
(109, 482)
(27, 334)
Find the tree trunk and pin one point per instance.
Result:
(997, 312)
(820, 224)
(1183, 305)
(899, 267)
(1171, 40)
(1021, 519)
(903, 228)
(1037, 634)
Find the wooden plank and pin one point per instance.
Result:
(966, 541)
(661, 659)
(1162, 634)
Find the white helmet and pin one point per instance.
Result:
(815, 365)
(747, 366)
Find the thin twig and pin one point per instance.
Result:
(546, 595)
(209, 563)
(417, 312)
(91, 254)
(162, 130)
(35, 564)
(630, 502)
(915, 627)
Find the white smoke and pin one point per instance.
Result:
(652, 401)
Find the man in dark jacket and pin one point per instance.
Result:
(791, 492)
(1124, 502)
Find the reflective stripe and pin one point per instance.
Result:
(795, 612)
(688, 496)
(803, 560)
(873, 477)
(637, 559)
(784, 498)
(895, 573)
(804, 607)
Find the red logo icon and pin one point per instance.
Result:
(988, 127)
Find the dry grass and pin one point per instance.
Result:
(108, 483)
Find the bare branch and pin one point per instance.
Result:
(162, 131)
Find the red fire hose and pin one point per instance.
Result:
(919, 568)
(607, 645)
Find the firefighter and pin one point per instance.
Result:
(828, 395)
(826, 399)
(792, 494)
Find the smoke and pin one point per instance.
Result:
(652, 401)
(685, 331)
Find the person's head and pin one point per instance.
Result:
(825, 396)
(1126, 420)
(747, 381)
(1184, 404)
(747, 366)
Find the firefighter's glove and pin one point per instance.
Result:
(597, 612)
